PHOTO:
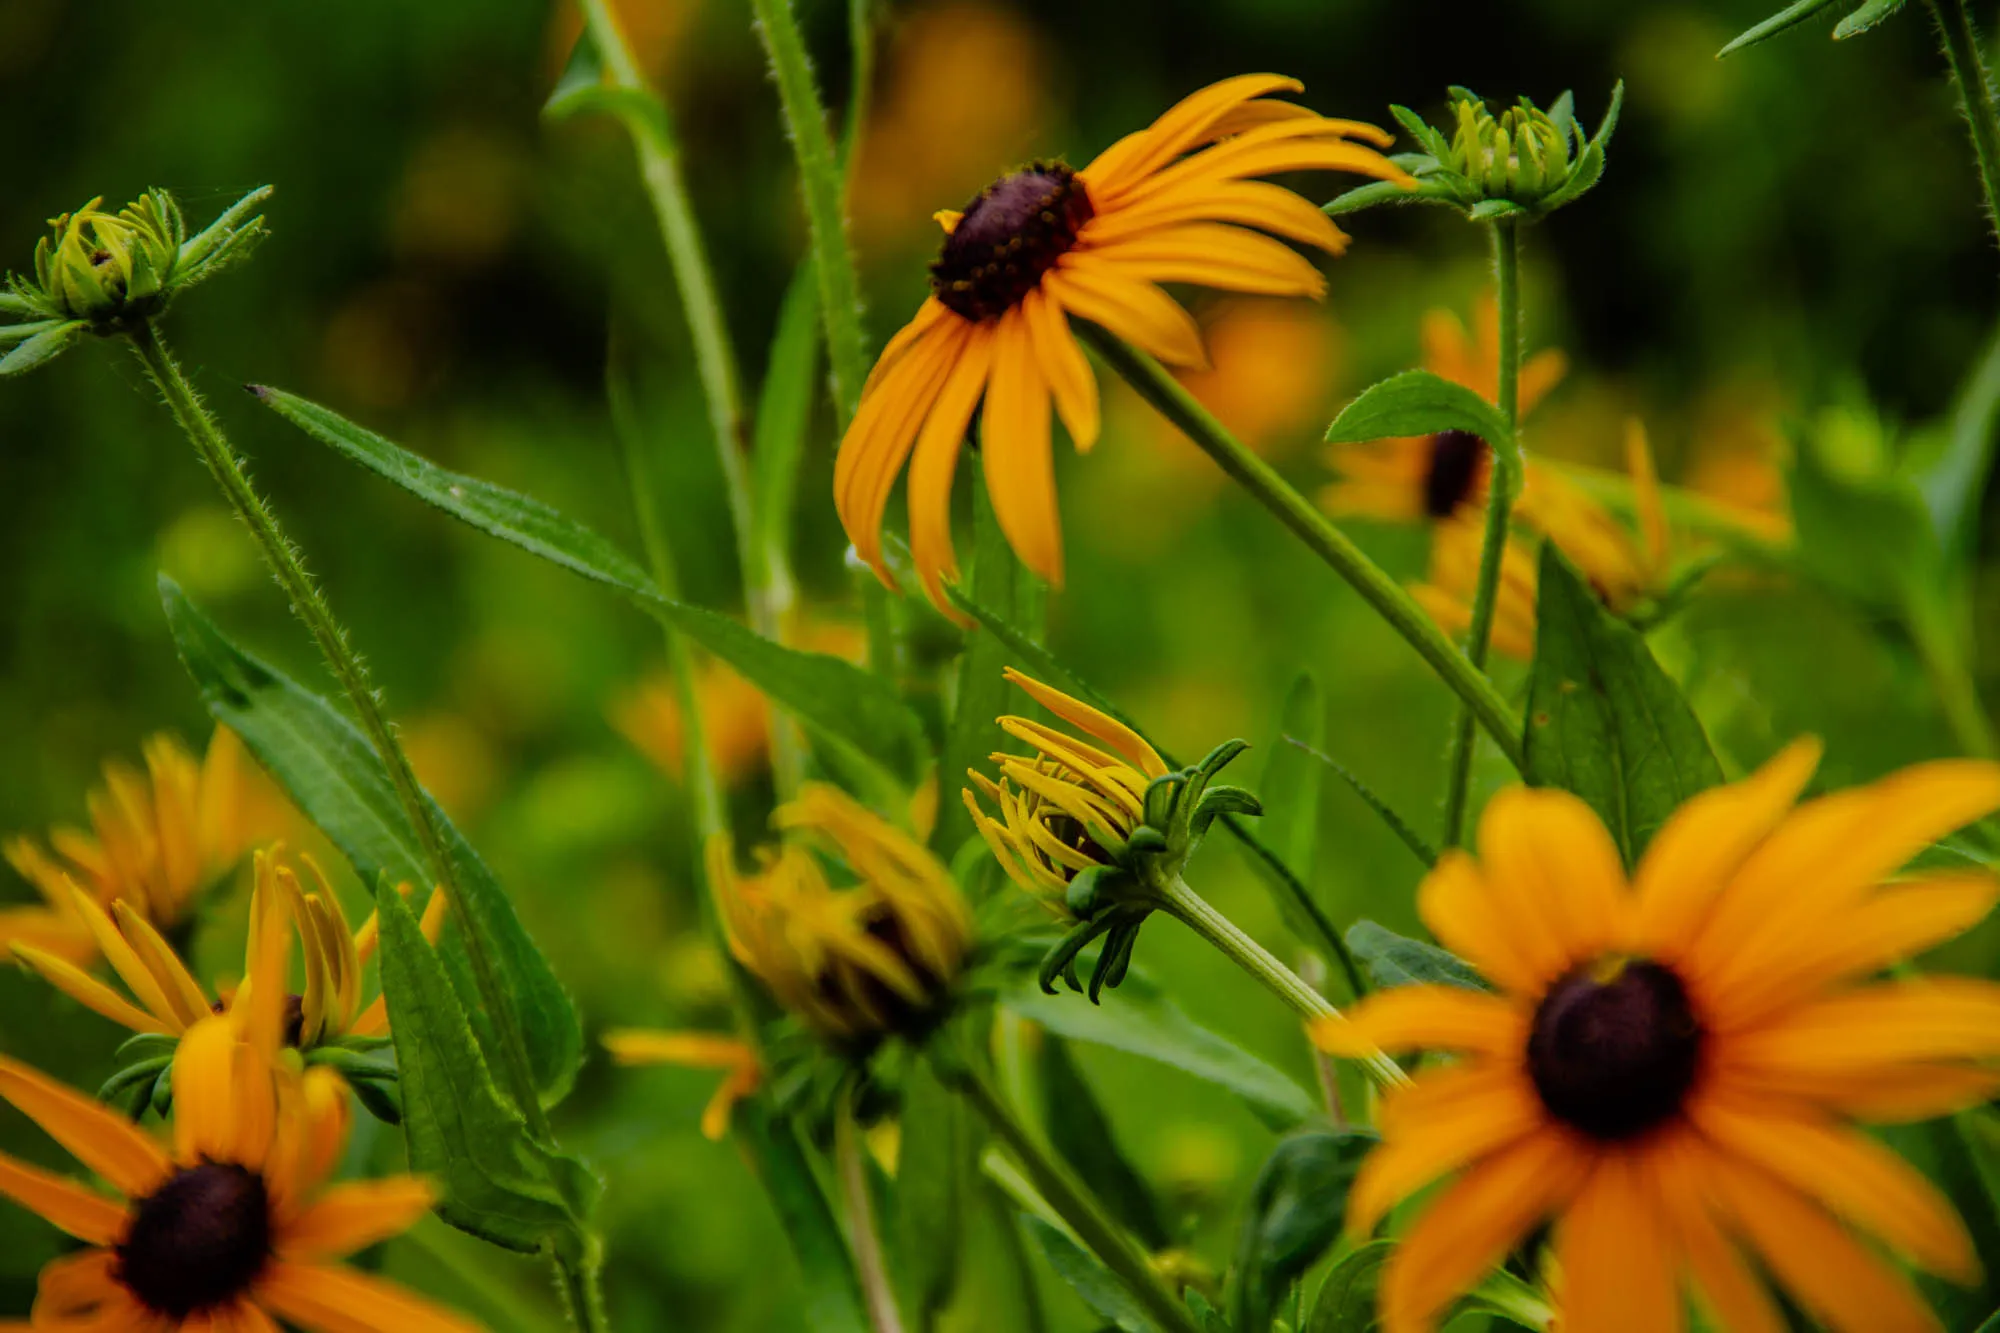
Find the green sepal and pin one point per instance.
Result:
(43, 347)
(381, 1100)
(1157, 809)
(1218, 801)
(1866, 17)
(122, 1083)
(1791, 16)
(1060, 960)
(1086, 889)
(1218, 759)
(147, 1046)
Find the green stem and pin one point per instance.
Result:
(715, 359)
(860, 85)
(1939, 645)
(1384, 594)
(821, 183)
(1503, 477)
(578, 1283)
(1177, 898)
(862, 1238)
(311, 607)
(1975, 92)
(1071, 1200)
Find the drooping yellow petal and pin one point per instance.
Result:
(1177, 130)
(1135, 310)
(339, 1300)
(1125, 742)
(1617, 1269)
(690, 1050)
(64, 1204)
(182, 991)
(1465, 915)
(81, 1293)
(354, 1216)
(1446, 1119)
(1549, 858)
(1424, 1017)
(88, 991)
(1063, 365)
(99, 1137)
(934, 465)
(1016, 452)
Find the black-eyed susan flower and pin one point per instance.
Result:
(1421, 478)
(1176, 202)
(1095, 829)
(158, 840)
(850, 923)
(742, 1072)
(1671, 1064)
(233, 1227)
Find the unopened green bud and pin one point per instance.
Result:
(107, 273)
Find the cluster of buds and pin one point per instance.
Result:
(106, 273)
(1523, 163)
(1096, 834)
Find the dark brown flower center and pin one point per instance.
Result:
(1068, 830)
(1615, 1047)
(876, 1004)
(1008, 238)
(198, 1241)
(1457, 458)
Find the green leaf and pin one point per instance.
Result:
(1346, 1300)
(934, 1168)
(1419, 847)
(1081, 1135)
(1864, 18)
(1863, 530)
(844, 705)
(832, 1293)
(1380, 192)
(784, 411)
(1789, 17)
(496, 1181)
(49, 343)
(336, 779)
(1953, 481)
(1604, 721)
(1419, 402)
(1095, 1283)
(997, 580)
(1146, 1022)
(1397, 960)
(1296, 1210)
(1960, 1156)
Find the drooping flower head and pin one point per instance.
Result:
(1435, 478)
(158, 840)
(232, 1227)
(1670, 1065)
(851, 923)
(1176, 202)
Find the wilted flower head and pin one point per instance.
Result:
(105, 273)
(849, 922)
(1095, 833)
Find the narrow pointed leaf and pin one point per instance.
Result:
(832, 1293)
(1789, 17)
(1296, 1210)
(1081, 1133)
(43, 347)
(1091, 1280)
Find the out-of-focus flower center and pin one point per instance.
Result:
(1615, 1047)
(1068, 830)
(1008, 237)
(198, 1241)
(1457, 456)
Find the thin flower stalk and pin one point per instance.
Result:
(1499, 511)
(1336, 548)
(862, 1237)
(1975, 92)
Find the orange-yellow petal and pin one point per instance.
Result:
(354, 1216)
(99, 1137)
(1016, 452)
(1424, 1017)
(1617, 1268)
(64, 1204)
(338, 1300)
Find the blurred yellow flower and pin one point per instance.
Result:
(1436, 477)
(1672, 1062)
(872, 956)
(158, 840)
(694, 1050)
(1176, 202)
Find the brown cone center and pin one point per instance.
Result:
(1009, 236)
(198, 1241)
(1457, 457)
(1615, 1047)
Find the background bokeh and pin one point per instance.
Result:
(1793, 228)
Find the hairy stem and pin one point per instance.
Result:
(821, 183)
(579, 1283)
(862, 1238)
(311, 607)
(1071, 1200)
(1503, 475)
(1975, 92)
(1177, 898)
(1328, 542)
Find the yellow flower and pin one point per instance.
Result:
(1070, 806)
(166, 998)
(1671, 1064)
(1047, 243)
(1420, 477)
(232, 1229)
(158, 841)
(694, 1050)
(1447, 591)
(875, 956)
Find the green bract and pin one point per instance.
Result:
(104, 273)
(1523, 163)
(1859, 20)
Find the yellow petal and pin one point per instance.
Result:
(99, 1137)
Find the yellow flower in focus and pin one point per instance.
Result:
(694, 1050)
(1437, 477)
(1070, 806)
(872, 955)
(1172, 203)
(165, 997)
(235, 1227)
(158, 840)
(1671, 1064)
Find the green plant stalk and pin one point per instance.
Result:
(862, 1238)
(1181, 901)
(1975, 91)
(311, 607)
(1941, 649)
(1335, 547)
(1502, 478)
(860, 86)
(821, 183)
(1071, 1199)
(766, 581)
(579, 1283)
